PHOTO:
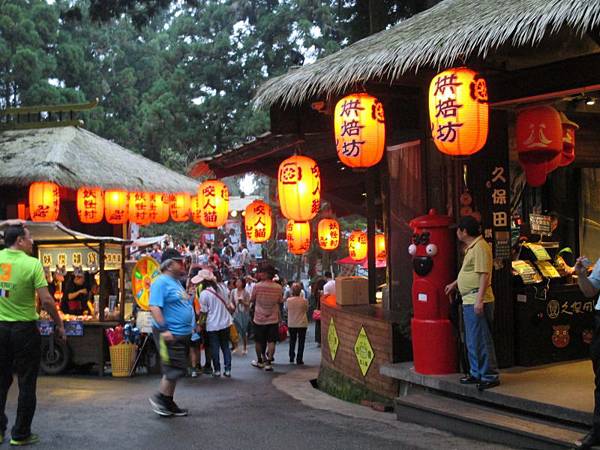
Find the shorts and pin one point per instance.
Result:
(173, 355)
(266, 333)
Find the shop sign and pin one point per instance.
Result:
(363, 351)
(555, 308)
(80, 256)
(332, 339)
(499, 233)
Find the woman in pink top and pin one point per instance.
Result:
(297, 308)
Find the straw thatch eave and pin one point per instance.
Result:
(449, 32)
(73, 157)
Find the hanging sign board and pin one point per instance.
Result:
(540, 224)
(70, 255)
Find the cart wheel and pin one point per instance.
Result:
(55, 358)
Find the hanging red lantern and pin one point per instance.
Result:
(298, 237)
(258, 221)
(359, 126)
(380, 250)
(44, 201)
(458, 111)
(299, 188)
(568, 129)
(180, 207)
(158, 207)
(357, 245)
(539, 142)
(213, 196)
(139, 208)
(90, 204)
(116, 209)
(328, 233)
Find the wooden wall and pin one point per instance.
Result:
(348, 322)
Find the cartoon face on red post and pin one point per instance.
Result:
(422, 250)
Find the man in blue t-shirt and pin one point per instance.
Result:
(173, 323)
(590, 286)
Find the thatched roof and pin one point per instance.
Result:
(450, 31)
(74, 157)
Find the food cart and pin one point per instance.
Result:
(61, 249)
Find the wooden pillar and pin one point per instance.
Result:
(371, 224)
(122, 285)
(103, 282)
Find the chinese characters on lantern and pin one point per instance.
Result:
(44, 201)
(359, 125)
(213, 196)
(90, 204)
(357, 245)
(458, 111)
(258, 221)
(299, 188)
(328, 234)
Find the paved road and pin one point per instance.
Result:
(245, 412)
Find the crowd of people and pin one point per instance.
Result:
(206, 305)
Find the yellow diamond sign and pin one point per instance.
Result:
(364, 351)
(332, 339)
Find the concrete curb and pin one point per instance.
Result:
(297, 385)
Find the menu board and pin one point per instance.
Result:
(540, 253)
(547, 269)
(526, 271)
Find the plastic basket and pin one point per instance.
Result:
(122, 357)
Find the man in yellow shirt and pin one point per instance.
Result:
(474, 283)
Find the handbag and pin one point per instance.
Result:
(283, 332)
(316, 315)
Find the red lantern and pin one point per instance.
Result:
(139, 208)
(116, 209)
(213, 196)
(380, 251)
(359, 126)
(44, 201)
(298, 237)
(158, 207)
(328, 232)
(357, 245)
(258, 221)
(90, 204)
(299, 188)
(180, 207)
(539, 142)
(568, 129)
(458, 111)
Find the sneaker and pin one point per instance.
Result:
(227, 373)
(257, 364)
(159, 406)
(217, 373)
(469, 380)
(207, 370)
(488, 384)
(194, 373)
(268, 367)
(30, 440)
(176, 410)
(300, 363)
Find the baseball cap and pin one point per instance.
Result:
(202, 275)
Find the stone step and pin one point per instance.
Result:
(489, 424)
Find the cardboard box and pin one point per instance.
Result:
(351, 291)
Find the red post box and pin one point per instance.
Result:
(433, 252)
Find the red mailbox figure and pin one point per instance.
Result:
(433, 252)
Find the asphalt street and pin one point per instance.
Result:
(252, 410)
